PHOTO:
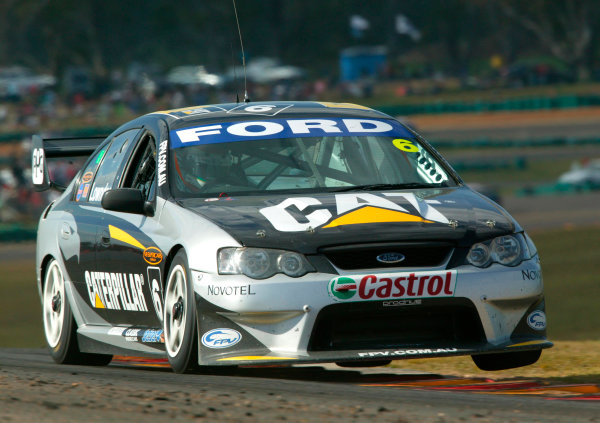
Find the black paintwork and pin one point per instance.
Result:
(240, 217)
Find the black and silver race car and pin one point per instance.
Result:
(282, 232)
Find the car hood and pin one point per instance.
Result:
(313, 221)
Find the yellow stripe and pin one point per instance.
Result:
(255, 358)
(121, 235)
(371, 214)
(343, 105)
(522, 344)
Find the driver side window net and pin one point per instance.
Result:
(142, 171)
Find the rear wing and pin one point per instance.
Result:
(45, 148)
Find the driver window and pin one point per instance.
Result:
(142, 170)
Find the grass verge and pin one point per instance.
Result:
(571, 267)
(21, 312)
(567, 362)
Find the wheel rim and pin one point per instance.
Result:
(53, 304)
(175, 310)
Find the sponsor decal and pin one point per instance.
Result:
(156, 290)
(162, 162)
(229, 290)
(131, 335)
(116, 291)
(343, 288)
(284, 128)
(531, 275)
(100, 156)
(82, 192)
(405, 145)
(351, 209)
(372, 287)
(221, 338)
(537, 320)
(398, 303)
(189, 111)
(152, 255)
(79, 193)
(116, 331)
(37, 166)
(98, 192)
(393, 286)
(259, 109)
(87, 177)
(426, 351)
(390, 258)
(153, 335)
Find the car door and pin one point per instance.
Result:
(101, 292)
(77, 240)
(128, 253)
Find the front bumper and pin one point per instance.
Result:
(285, 320)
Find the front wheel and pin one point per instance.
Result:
(503, 361)
(179, 317)
(59, 326)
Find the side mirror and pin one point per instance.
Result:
(126, 200)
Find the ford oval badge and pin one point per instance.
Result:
(390, 258)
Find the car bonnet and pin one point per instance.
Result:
(306, 223)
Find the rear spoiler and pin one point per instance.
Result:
(45, 148)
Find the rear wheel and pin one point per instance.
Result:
(502, 361)
(179, 320)
(59, 326)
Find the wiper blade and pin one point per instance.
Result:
(386, 186)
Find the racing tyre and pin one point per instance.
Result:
(59, 326)
(502, 361)
(179, 317)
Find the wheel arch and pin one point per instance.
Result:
(43, 268)
(168, 260)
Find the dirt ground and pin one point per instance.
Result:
(526, 118)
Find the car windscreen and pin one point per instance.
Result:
(300, 155)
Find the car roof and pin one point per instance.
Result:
(178, 118)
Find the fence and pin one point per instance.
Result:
(511, 104)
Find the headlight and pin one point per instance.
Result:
(479, 255)
(261, 263)
(508, 250)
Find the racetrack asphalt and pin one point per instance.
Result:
(33, 386)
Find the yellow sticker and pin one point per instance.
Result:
(405, 145)
(343, 105)
(255, 358)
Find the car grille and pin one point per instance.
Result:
(364, 256)
(370, 325)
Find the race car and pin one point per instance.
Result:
(278, 233)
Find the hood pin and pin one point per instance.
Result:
(453, 223)
(490, 223)
(261, 233)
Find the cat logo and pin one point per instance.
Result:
(352, 209)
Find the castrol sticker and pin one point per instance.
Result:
(393, 286)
